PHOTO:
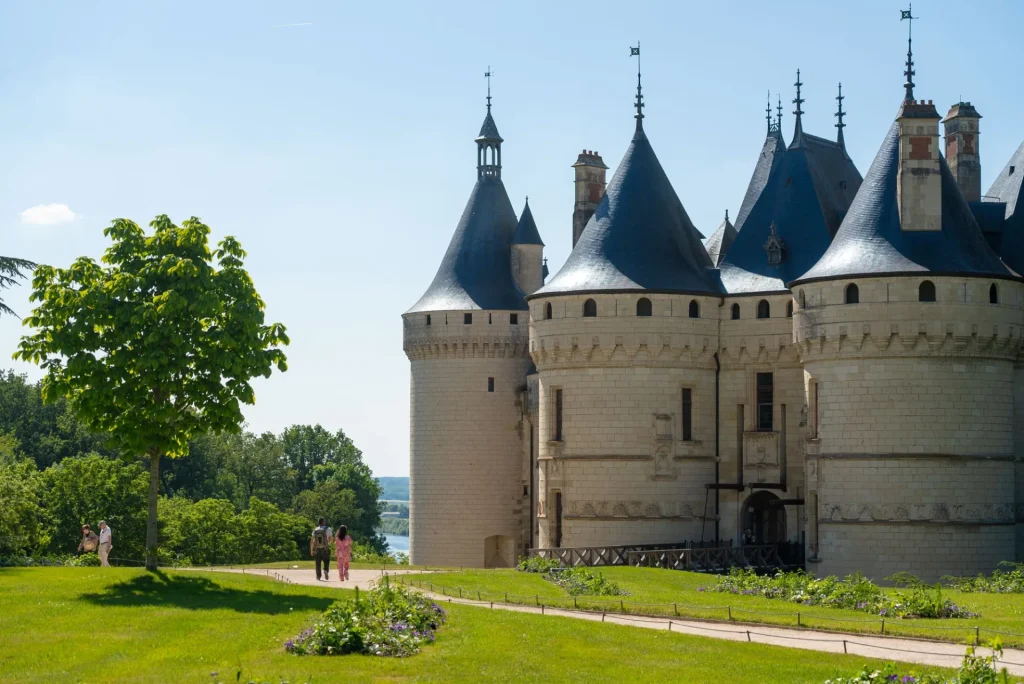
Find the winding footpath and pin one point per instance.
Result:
(899, 649)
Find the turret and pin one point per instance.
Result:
(961, 132)
(590, 183)
(527, 253)
(919, 184)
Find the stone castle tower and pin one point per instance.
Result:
(466, 339)
(590, 174)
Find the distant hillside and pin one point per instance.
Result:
(394, 488)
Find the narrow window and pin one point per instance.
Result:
(764, 310)
(467, 319)
(428, 319)
(803, 299)
(490, 384)
(558, 519)
(735, 312)
(694, 309)
(926, 293)
(852, 294)
(490, 319)
(558, 415)
(513, 319)
(765, 401)
(816, 411)
(993, 294)
(789, 309)
(589, 308)
(547, 311)
(643, 307)
(687, 415)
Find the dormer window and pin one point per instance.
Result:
(774, 247)
(1012, 169)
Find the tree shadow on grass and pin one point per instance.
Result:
(200, 593)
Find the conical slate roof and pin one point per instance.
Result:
(489, 129)
(639, 238)
(476, 272)
(870, 241)
(720, 241)
(526, 231)
(804, 199)
(1008, 189)
(771, 155)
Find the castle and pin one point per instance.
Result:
(841, 368)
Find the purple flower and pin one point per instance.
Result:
(288, 646)
(908, 679)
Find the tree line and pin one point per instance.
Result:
(235, 498)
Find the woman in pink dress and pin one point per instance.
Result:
(343, 551)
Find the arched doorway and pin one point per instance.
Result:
(764, 522)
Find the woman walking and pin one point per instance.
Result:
(343, 551)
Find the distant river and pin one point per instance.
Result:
(397, 543)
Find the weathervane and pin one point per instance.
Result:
(487, 75)
(909, 73)
(635, 52)
(840, 113)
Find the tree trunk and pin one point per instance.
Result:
(154, 490)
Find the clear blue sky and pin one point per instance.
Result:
(335, 139)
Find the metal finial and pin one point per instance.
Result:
(840, 113)
(768, 111)
(635, 52)
(487, 75)
(778, 120)
(726, 214)
(798, 100)
(909, 73)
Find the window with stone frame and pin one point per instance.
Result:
(558, 425)
(765, 396)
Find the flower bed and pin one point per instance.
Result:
(999, 582)
(855, 592)
(387, 621)
(577, 581)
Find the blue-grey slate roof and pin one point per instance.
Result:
(489, 129)
(476, 271)
(771, 155)
(1008, 191)
(526, 231)
(639, 238)
(870, 241)
(720, 241)
(805, 197)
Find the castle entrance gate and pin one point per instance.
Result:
(763, 521)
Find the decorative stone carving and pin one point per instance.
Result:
(922, 513)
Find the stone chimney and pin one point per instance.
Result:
(920, 181)
(590, 184)
(962, 154)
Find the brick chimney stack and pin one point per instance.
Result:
(920, 179)
(590, 184)
(962, 154)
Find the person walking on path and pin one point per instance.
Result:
(343, 551)
(320, 548)
(89, 540)
(106, 544)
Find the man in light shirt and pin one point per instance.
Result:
(106, 542)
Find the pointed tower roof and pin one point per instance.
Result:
(721, 240)
(489, 129)
(771, 155)
(871, 242)
(1008, 186)
(798, 127)
(476, 271)
(526, 231)
(800, 207)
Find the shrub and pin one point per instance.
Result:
(365, 553)
(582, 581)
(973, 670)
(1000, 582)
(387, 621)
(855, 592)
(537, 564)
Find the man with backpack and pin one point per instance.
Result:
(320, 548)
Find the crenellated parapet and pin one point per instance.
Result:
(447, 335)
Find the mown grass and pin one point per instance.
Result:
(670, 592)
(124, 625)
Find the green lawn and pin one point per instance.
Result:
(124, 625)
(668, 592)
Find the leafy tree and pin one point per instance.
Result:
(88, 489)
(308, 446)
(266, 534)
(340, 505)
(19, 494)
(206, 473)
(155, 346)
(10, 273)
(357, 478)
(47, 433)
(260, 470)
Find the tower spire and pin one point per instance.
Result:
(768, 112)
(798, 112)
(488, 142)
(487, 75)
(778, 119)
(639, 116)
(909, 73)
(839, 115)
